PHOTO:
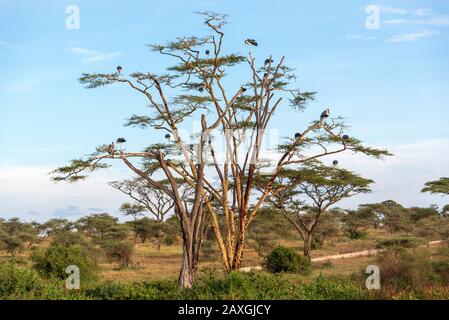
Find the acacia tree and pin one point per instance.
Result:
(440, 186)
(303, 195)
(148, 198)
(239, 113)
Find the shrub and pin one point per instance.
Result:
(53, 261)
(13, 245)
(243, 286)
(357, 234)
(332, 288)
(406, 269)
(284, 259)
(121, 252)
(406, 242)
(17, 280)
(154, 290)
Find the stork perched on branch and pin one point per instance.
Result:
(325, 114)
(110, 148)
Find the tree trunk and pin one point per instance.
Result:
(188, 269)
(307, 245)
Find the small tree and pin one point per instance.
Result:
(146, 228)
(121, 252)
(305, 194)
(356, 222)
(149, 198)
(134, 210)
(440, 186)
(394, 217)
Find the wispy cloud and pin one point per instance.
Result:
(412, 37)
(90, 55)
(359, 37)
(436, 22)
(420, 16)
(420, 12)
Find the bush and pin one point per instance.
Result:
(53, 262)
(406, 269)
(17, 280)
(406, 242)
(155, 290)
(284, 259)
(13, 245)
(121, 252)
(332, 288)
(236, 285)
(357, 234)
(243, 286)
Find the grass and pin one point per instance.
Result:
(152, 265)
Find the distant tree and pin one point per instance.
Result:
(134, 210)
(417, 213)
(394, 217)
(440, 186)
(54, 226)
(148, 197)
(328, 226)
(119, 251)
(102, 227)
(356, 222)
(146, 228)
(305, 194)
(13, 245)
(16, 235)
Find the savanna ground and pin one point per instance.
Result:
(338, 279)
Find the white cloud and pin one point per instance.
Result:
(402, 176)
(359, 37)
(412, 37)
(26, 190)
(402, 11)
(435, 22)
(89, 55)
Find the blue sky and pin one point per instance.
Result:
(391, 83)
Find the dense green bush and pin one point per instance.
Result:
(17, 280)
(121, 252)
(243, 286)
(332, 288)
(53, 261)
(283, 259)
